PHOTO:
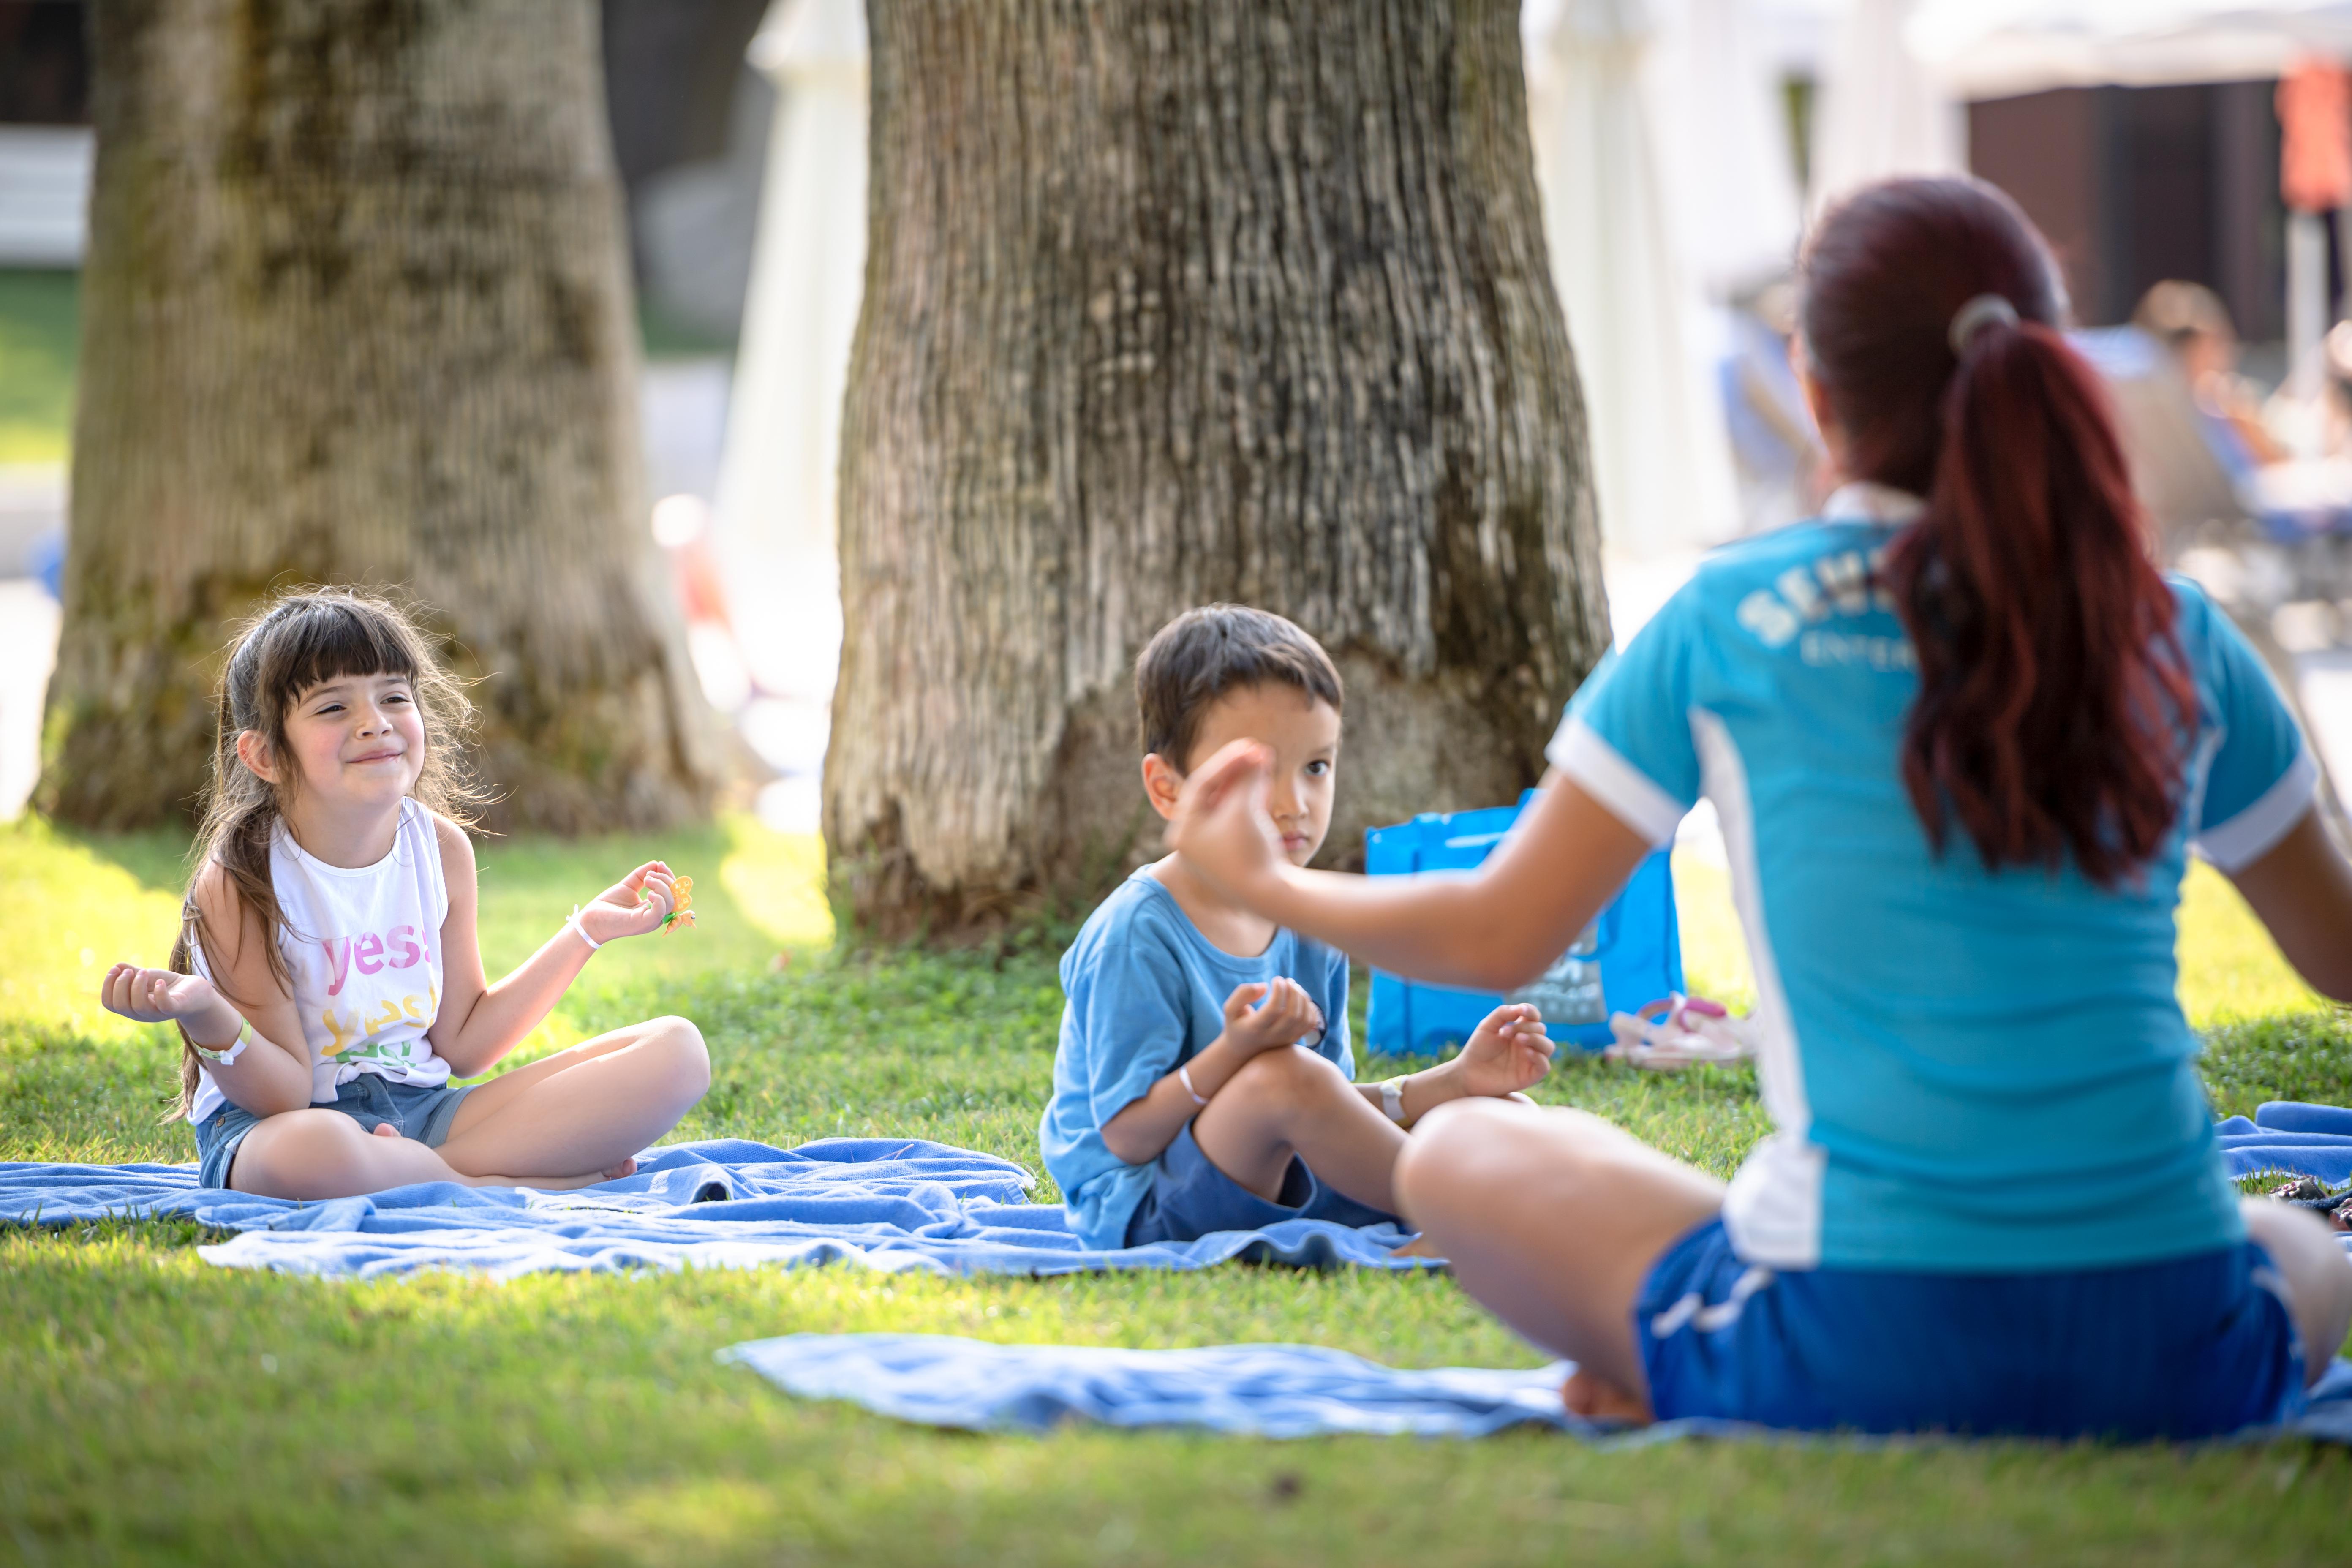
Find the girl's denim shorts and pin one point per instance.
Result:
(422, 1114)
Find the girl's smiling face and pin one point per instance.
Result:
(355, 741)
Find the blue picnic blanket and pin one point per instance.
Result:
(2290, 1135)
(1263, 1391)
(887, 1203)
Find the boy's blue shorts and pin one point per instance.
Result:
(422, 1114)
(1190, 1198)
(2190, 1347)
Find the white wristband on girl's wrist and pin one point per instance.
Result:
(1184, 1077)
(235, 1049)
(581, 931)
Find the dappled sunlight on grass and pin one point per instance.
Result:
(70, 906)
(2230, 968)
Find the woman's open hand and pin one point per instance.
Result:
(635, 905)
(1222, 827)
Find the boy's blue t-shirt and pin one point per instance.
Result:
(1146, 992)
(1970, 1072)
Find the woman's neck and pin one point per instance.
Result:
(351, 838)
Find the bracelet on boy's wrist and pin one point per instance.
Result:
(225, 1055)
(1184, 1077)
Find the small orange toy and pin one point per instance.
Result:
(682, 906)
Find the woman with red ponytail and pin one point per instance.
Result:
(1962, 736)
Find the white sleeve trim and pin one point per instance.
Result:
(1625, 791)
(2246, 837)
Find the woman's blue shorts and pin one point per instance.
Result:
(2190, 1347)
(424, 1114)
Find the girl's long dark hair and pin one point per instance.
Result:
(303, 639)
(2055, 711)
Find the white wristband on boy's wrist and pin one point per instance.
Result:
(1392, 1098)
(1184, 1077)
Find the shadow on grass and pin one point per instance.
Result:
(156, 858)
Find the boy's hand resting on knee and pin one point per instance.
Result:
(1285, 1016)
(1508, 1052)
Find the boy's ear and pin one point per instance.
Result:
(253, 750)
(1161, 784)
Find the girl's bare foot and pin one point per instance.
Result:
(627, 1167)
(384, 1130)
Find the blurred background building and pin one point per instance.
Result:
(1680, 147)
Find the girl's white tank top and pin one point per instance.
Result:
(364, 950)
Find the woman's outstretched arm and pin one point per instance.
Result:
(2301, 888)
(1491, 929)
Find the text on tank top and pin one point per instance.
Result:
(362, 946)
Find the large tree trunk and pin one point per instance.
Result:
(1176, 301)
(357, 310)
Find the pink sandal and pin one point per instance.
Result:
(1676, 1031)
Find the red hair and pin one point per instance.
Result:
(2054, 707)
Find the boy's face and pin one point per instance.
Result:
(1303, 731)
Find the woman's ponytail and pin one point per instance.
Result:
(2055, 711)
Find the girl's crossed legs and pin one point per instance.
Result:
(566, 1121)
(1554, 1219)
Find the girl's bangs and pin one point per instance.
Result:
(329, 641)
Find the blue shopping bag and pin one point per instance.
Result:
(1630, 955)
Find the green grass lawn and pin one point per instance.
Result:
(156, 1408)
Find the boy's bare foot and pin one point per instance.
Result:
(1596, 1398)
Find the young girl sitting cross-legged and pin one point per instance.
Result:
(327, 982)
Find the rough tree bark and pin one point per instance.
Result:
(357, 310)
(1175, 300)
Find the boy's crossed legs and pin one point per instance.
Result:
(1288, 1103)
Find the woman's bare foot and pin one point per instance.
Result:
(1595, 1398)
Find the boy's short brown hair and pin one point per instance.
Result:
(1206, 652)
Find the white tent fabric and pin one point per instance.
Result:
(1997, 48)
(1881, 112)
(776, 505)
(1626, 281)
(1723, 140)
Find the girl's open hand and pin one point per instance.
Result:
(632, 906)
(1222, 827)
(155, 996)
(1508, 1052)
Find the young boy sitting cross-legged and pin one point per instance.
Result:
(1203, 1082)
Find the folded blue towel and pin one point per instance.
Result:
(887, 1203)
(2289, 1135)
(1263, 1391)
